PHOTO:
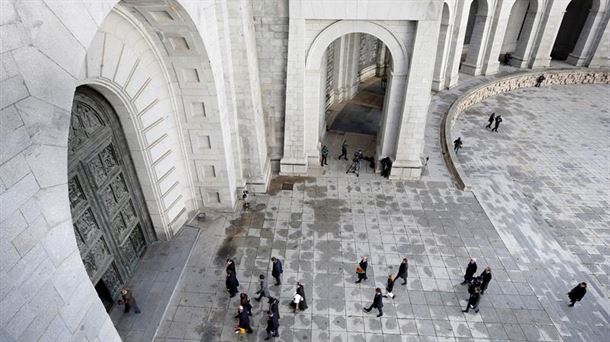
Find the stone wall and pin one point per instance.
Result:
(499, 86)
(271, 26)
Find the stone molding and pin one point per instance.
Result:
(499, 86)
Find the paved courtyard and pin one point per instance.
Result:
(322, 227)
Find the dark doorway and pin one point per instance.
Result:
(571, 27)
(104, 293)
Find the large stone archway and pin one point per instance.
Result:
(314, 111)
(46, 280)
(410, 30)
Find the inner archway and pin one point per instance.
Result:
(518, 32)
(472, 52)
(440, 65)
(357, 67)
(572, 25)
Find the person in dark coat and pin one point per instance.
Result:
(471, 269)
(245, 302)
(263, 290)
(485, 278)
(361, 269)
(475, 283)
(277, 270)
(230, 266)
(473, 301)
(272, 326)
(498, 120)
(343, 150)
(386, 167)
(577, 293)
(492, 117)
(129, 301)
(274, 306)
(301, 292)
(377, 303)
(232, 284)
(244, 320)
(539, 80)
(390, 286)
(457, 144)
(323, 160)
(403, 271)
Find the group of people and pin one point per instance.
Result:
(476, 285)
(244, 311)
(403, 273)
(354, 167)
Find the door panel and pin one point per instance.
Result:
(111, 223)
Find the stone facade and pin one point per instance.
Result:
(213, 96)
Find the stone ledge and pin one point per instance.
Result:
(499, 86)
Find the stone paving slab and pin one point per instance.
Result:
(544, 181)
(153, 284)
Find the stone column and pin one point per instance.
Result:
(438, 81)
(551, 22)
(456, 44)
(417, 100)
(392, 108)
(252, 138)
(380, 60)
(602, 54)
(585, 45)
(294, 161)
(476, 49)
(521, 56)
(497, 33)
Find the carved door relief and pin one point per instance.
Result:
(110, 220)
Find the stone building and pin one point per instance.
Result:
(121, 120)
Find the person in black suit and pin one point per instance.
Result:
(471, 269)
(301, 291)
(277, 270)
(274, 307)
(232, 284)
(498, 120)
(272, 326)
(403, 271)
(473, 301)
(230, 266)
(485, 279)
(361, 269)
(244, 320)
(577, 293)
(377, 303)
(492, 117)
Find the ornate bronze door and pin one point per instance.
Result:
(111, 223)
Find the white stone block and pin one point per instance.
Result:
(48, 163)
(17, 195)
(55, 204)
(13, 90)
(31, 236)
(60, 242)
(13, 170)
(45, 123)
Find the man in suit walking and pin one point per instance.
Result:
(403, 271)
(471, 269)
(263, 290)
(377, 303)
(277, 270)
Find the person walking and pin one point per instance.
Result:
(301, 292)
(232, 284)
(361, 269)
(485, 279)
(274, 306)
(577, 293)
(272, 326)
(263, 290)
(343, 150)
(457, 144)
(323, 160)
(377, 303)
(491, 119)
(244, 320)
(473, 301)
(230, 266)
(390, 286)
(403, 271)
(539, 80)
(471, 269)
(245, 302)
(277, 270)
(129, 301)
(498, 120)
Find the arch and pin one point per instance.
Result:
(440, 65)
(393, 103)
(520, 44)
(338, 29)
(478, 24)
(571, 28)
